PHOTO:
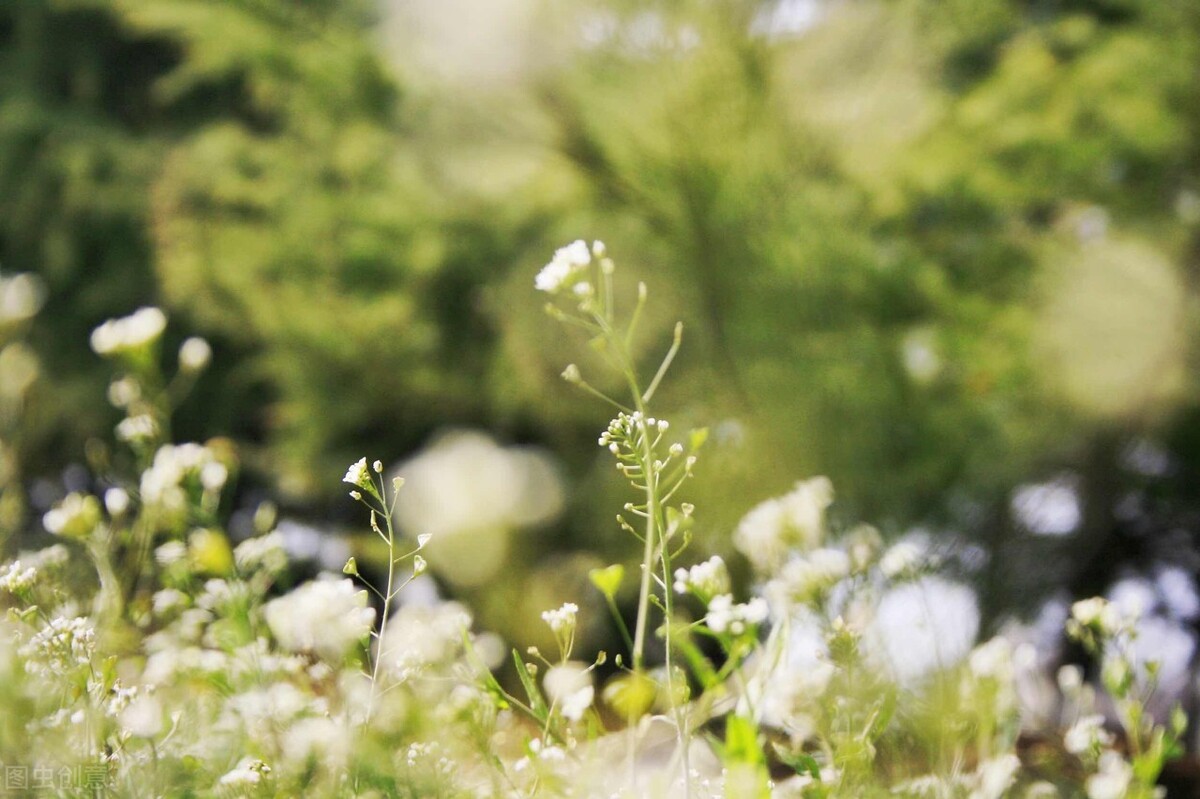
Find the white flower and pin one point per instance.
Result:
(17, 579)
(325, 616)
(20, 297)
(901, 559)
(1098, 614)
(419, 637)
(75, 517)
(796, 520)
(561, 621)
(994, 777)
(170, 553)
(807, 578)
(247, 773)
(724, 615)
(143, 718)
(992, 660)
(213, 476)
(1112, 780)
(141, 427)
(705, 579)
(1087, 735)
(168, 600)
(570, 686)
(194, 354)
(265, 551)
(116, 501)
(357, 474)
(129, 333)
(567, 262)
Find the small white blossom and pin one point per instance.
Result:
(16, 578)
(141, 427)
(1113, 778)
(562, 620)
(129, 333)
(725, 616)
(567, 262)
(325, 616)
(1098, 614)
(705, 579)
(75, 517)
(116, 501)
(902, 558)
(357, 474)
(194, 355)
(1087, 735)
(265, 551)
(570, 686)
(794, 521)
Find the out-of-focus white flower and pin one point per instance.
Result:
(705, 579)
(992, 660)
(1112, 779)
(322, 738)
(420, 637)
(141, 427)
(170, 553)
(568, 261)
(194, 355)
(796, 520)
(726, 616)
(175, 466)
(168, 600)
(326, 616)
(116, 501)
(923, 626)
(1070, 679)
(806, 578)
(124, 391)
(75, 517)
(1087, 735)
(902, 558)
(247, 773)
(213, 476)
(1097, 614)
(570, 686)
(994, 777)
(129, 333)
(21, 297)
(265, 551)
(143, 718)
(473, 496)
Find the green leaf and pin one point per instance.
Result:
(608, 580)
(537, 702)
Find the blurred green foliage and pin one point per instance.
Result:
(908, 243)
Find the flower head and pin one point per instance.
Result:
(567, 263)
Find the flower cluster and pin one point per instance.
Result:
(130, 333)
(566, 266)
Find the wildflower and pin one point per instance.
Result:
(116, 501)
(357, 474)
(725, 616)
(60, 646)
(808, 578)
(143, 718)
(1087, 735)
(570, 686)
(129, 333)
(17, 579)
(213, 476)
(124, 391)
(141, 427)
(992, 660)
(994, 777)
(795, 520)
(170, 553)
(567, 263)
(562, 620)
(21, 297)
(902, 559)
(1113, 778)
(325, 616)
(194, 355)
(706, 579)
(264, 552)
(75, 517)
(421, 637)
(1096, 614)
(247, 773)
(168, 600)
